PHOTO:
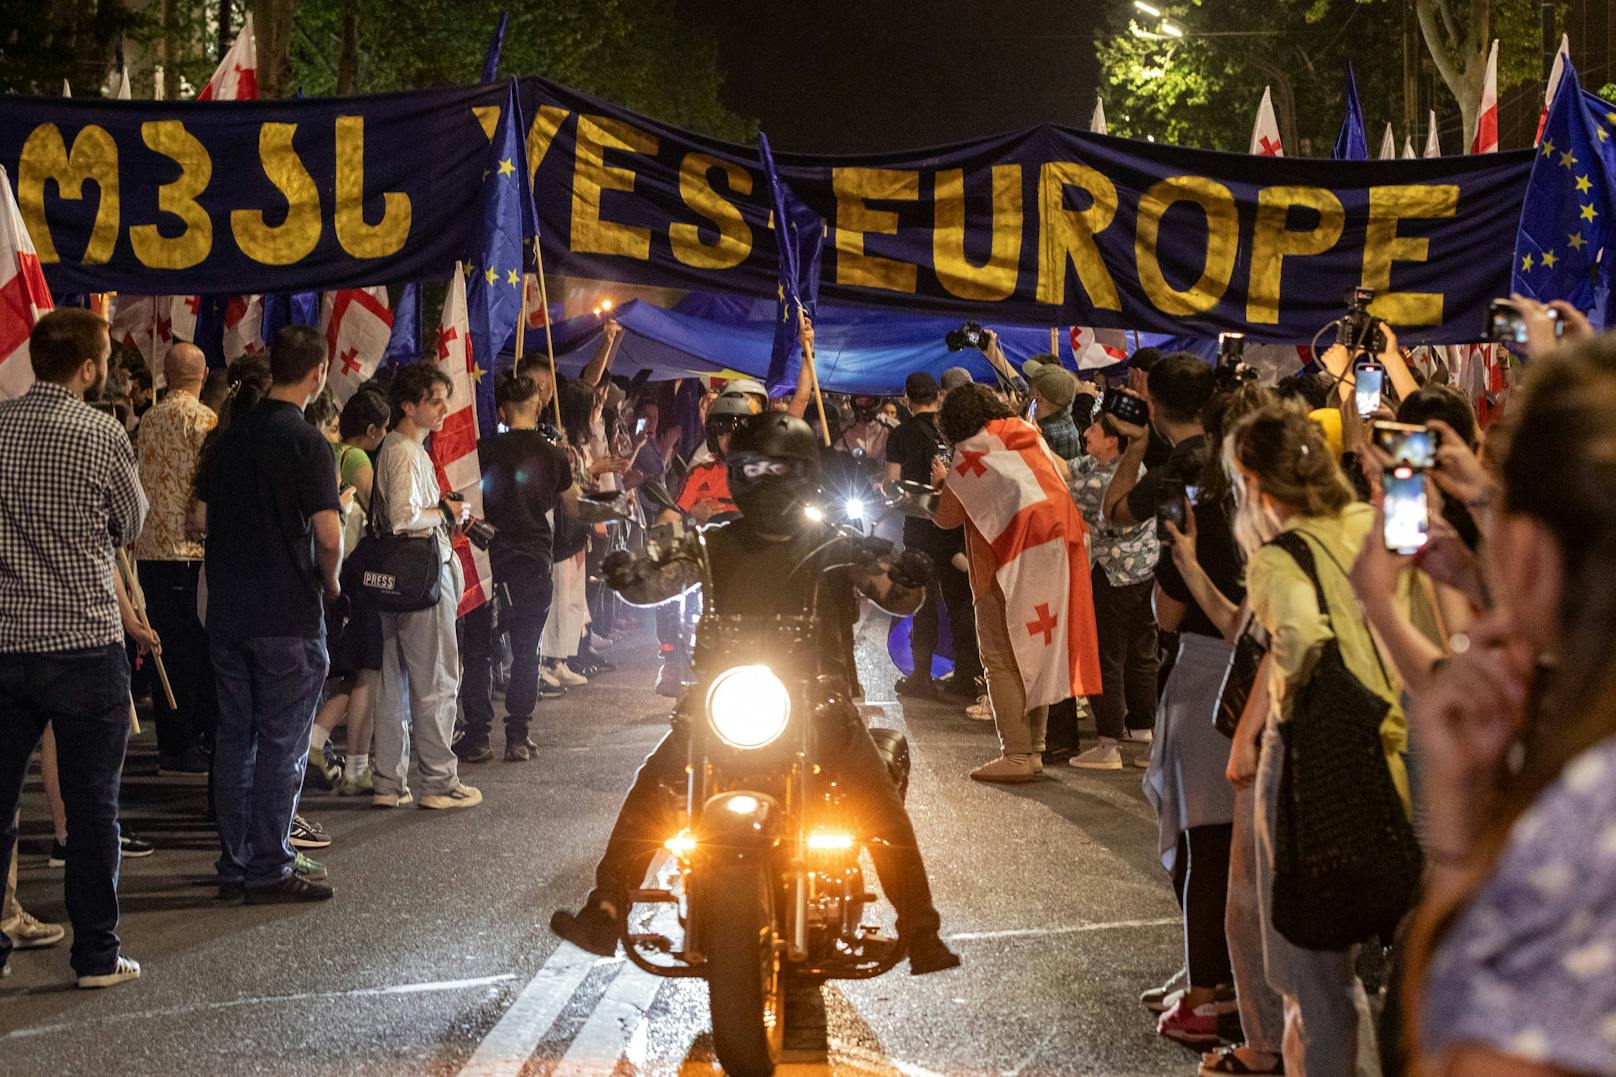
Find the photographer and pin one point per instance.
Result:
(1180, 386)
(525, 481)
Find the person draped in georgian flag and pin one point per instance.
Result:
(1028, 551)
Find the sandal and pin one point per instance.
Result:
(1224, 1060)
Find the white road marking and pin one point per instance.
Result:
(77, 1024)
(614, 1026)
(509, 1043)
(1074, 929)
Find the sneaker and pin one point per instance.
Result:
(190, 761)
(134, 848)
(320, 773)
(1194, 1025)
(598, 665)
(600, 643)
(28, 932)
(591, 928)
(980, 711)
(956, 687)
(58, 855)
(1056, 756)
(461, 796)
(307, 867)
(1142, 762)
(474, 753)
(363, 785)
(1141, 736)
(125, 969)
(1229, 1060)
(1161, 999)
(307, 835)
(567, 677)
(916, 686)
(1007, 768)
(551, 691)
(1100, 757)
(518, 753)
(392, 800)
(928, 953)
(290, 890)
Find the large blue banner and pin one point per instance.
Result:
(1043, 226)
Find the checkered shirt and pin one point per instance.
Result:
(69, 497)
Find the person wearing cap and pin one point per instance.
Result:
(1053, 390)
(954, 377)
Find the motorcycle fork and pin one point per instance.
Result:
(797, 909)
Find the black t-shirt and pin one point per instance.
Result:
(913, 446)
(524, 477)
(1156, 450)
(1182, 464)
(1215, 549)
(757, 576)
(263, 481)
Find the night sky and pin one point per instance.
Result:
(868, 76)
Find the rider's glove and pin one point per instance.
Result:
(911, 570)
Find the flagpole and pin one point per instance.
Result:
(521, 329)
(549, 340)
(813, 372)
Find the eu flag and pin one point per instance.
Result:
(507, 220)
(282, 309)
(1351, 144)
(799, 234)
(1570, 200)
(404, 346)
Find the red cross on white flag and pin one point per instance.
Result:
(23, 295)
(454, 448)
(357, 325)
(1562, 56)
(243, 327)
(236, 77)
(1095, 349)
(1265, 131)
(1486, 136)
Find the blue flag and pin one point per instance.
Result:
(799, 235)
(404, 345)
(495, 43)
(1569, 205)
(507, 220)
(282, 309)
(1350, 144)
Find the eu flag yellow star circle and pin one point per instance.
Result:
(506, 168)
(512, 277)
(1568, 159)
(477, 373)
(1575, 241)
(1548, 259)
(1589, 213)
(1583, 183)
(1548, 147)
(1526, 263)
(492, 275)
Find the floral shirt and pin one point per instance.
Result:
(1529, 967)
(1127, 554)
(170, 442)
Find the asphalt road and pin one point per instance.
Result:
(434, 957)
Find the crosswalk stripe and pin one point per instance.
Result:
(509, 1043)
(613, 1026)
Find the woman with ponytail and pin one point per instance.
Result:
(1510, 960)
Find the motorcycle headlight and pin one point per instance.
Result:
(748, 706)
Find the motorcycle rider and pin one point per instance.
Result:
(769, 562)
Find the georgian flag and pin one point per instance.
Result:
(1486, 136)
(1005, 480)
(1265, 131)
(1095, 349)
(357, 325)
(23, 295)
(236, 77)
(244, 327)
(1562, 56)
(134, 325)
(454, 448)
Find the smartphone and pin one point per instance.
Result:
(1171, 507)
(1405, 444)
(1506, 326)
(1370, 380)
(1408, 518)
(639, 427)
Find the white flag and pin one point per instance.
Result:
(236, 77)
(1095, 349)
(1097, 124)
(1408, 149)
(23, 295)
(1265, 132)
(357, 325)
(1485, 139)
(1388, 145)
(1433, 144)
(454, 448)
(122, 92)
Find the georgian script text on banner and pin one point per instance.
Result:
(1044, 226)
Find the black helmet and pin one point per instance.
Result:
(777, 435)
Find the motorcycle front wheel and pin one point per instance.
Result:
(745, 985)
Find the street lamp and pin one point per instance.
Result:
(1170, 30)
(1148, 9)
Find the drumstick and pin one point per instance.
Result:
(137, 599)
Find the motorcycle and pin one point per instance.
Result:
(764, 877)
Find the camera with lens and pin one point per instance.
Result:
(1359, 330)
(969, 335)
(480, 533)
(1127, 407)
(1232, 370)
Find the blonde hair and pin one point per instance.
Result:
(1293, 464)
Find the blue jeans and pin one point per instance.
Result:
(269, 687)
(84, 695)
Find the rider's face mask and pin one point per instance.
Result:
(767, 489)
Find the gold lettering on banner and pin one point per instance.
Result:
(592, 233)
(1272, 242)
(296, 236)
(1068, 234)
(359, 237)
(1222, 243)
(995, 279)
(45, 159)
(191, 246)
(734, 241)
(487, 119)
(855, 218)
(1383, 246)
(540, 134)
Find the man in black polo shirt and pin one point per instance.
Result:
(1180, 387)
(525, 480)
(268, 495)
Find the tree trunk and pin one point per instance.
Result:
(1461, 63)
(348, 62)
(227, 35)
(272, 23)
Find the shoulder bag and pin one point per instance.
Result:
(1346, 862)
(394, 573)
(1240, 678)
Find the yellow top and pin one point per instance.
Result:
(1282, 597)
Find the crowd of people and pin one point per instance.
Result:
(1291, 684)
